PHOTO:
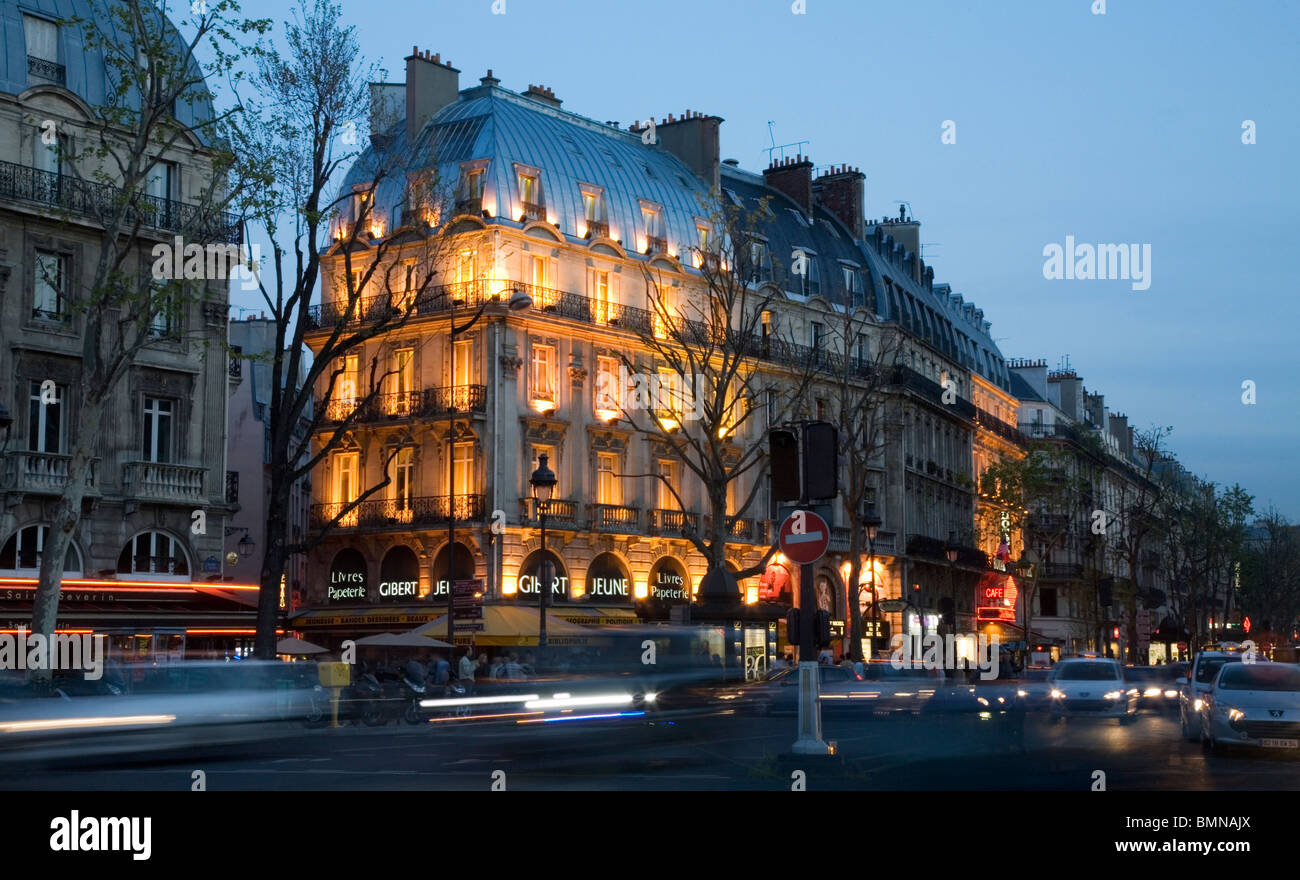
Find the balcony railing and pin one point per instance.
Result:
(656, 244)
(47, 70)
(42, 473)
(674, 522)
(1063, 570)
(533, 211)
(597, 229)
(154, 481)
(97, 201)
(613, 518)
(415, 512)
(560, 513)
(427, 403)
(1005, 430)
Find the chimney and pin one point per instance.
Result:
(794, 178)
(1096, 405)
(694, 140)
(1122, 433)
(842, 191)
(431, 84)
(386, 105)
(1034, 373)
(905, 230)
(543, 94)
(489, 80)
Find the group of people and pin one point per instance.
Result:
(469, 669)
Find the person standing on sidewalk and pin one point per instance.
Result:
(465, 674)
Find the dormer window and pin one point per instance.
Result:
(469, 190)
(362, 202)
(596, 223)
(760, 262)
(652, 215)
(530, 193)
(43, 50)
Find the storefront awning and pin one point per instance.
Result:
(590, 615)
(369, 617)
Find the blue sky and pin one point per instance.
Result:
(1117, 128)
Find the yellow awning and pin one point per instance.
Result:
(592, 615)
(510, 625)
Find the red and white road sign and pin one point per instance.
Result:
(804, 537)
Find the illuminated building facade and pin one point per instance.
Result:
(575, 213)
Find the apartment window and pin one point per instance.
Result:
(543, 374)
(760, 261)
(861, 351)
(772, 406)
(852, 283)
(538, 271)
(1047, 602)
(50, 294)
(463, 469)
(24, 549)
(161, 183)
(42, 38)
(49, 154)
(530, 194)
(45, 419)
(702, 237)
(157, 437)
(153, 553)
(818, 335)
(464, 363)
(602, 298)
(607, 385)
(404, 297)
(403, 484)
(464, 271)
(362, 201)
(346, 486)
(810, 281)
(403, 379)
(607, 484)
(670, 396)
(549, 452)
(358, 281)
(667, 477)
(593, 209)
(472, 184)
(346, 387)
(166, 316)
(652, 216)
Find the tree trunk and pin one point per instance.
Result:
(273, 566)
(67, 514)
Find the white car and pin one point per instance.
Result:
(1193, 688)
(1252, 704)
(1093, 688)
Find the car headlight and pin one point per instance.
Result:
(1197, 704)
(1022, 693)
(1235, 714)
(1170, 695)
(1151, 692)
(1057, 695)
(1114, 695)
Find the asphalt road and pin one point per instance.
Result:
(716, 751)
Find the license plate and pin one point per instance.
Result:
(1272, 743)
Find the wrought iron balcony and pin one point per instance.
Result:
(1062, 570)
(674, 522)
(434, 402)
(560, 513)
(422, 511)
(533, 211)
(42, 473)
(97, 200)
(597, 229)
(656, 244)
(614, 518)
(155, 481)
(47, 70)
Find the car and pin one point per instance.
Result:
(1252, 704)
(1193, 687)
(1157, 688)
(882, 689)
(1094, 688)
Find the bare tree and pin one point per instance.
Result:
(1140, 525)
(157, 99)
(317, 95)
(716, 376)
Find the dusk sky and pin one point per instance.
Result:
(1122, 128)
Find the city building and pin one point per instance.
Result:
(142, 568)
(581, 215)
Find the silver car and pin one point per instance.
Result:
(1193, 688)
(1093, 688)
(1252, 704)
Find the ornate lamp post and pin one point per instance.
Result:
(518, 302)
(872, 523)
(543, 483)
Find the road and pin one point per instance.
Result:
(712, 751)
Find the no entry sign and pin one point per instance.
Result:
(804, 537)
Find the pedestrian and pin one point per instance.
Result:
(443, 673)
(529, 666)
(859, 669)
(514, 671)
(498, 667)
(466, 672)
(482, 668)
(789, 661)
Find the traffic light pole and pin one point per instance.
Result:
(810, 708)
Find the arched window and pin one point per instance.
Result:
(22, 552)
(154, 553)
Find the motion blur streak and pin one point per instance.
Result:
(580, 717)
(477, 701)
(72, 723)
(568, 702)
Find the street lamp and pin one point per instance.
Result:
(246, 546)
(950, 550)
(872, 523)
(519, 301)
(543, 483)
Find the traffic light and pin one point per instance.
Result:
(821, 461)
(783, 447)
(823, 632)
(1115, 633)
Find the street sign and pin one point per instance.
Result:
(469, 612)
(892, 606)
(804, 537)
(470, 626)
